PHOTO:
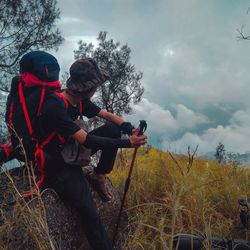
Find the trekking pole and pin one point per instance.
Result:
(143, 127)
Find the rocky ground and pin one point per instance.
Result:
(46, 223)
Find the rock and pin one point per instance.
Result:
(45, 222)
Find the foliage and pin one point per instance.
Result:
(25, 25)
(165, 198)
(220, 152)
(124, 88)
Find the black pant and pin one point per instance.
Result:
(71, 185)
(2, 156)
(108, 156)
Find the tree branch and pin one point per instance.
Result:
(4, 90)
(241, 34)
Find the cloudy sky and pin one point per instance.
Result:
(195, 70)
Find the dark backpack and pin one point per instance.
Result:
(38, 79)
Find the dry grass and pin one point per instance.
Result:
(24, 221)
(167, 196)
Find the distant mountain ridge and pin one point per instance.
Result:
(243, 159)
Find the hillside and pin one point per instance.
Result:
(242, 159)
(169, 195)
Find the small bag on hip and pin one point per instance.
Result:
(74, 153)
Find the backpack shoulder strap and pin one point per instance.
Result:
(43, 91)
(63, 98)
(24, 107)
(80, 107)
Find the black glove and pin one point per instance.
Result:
(127, 128)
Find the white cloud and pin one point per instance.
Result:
(164, 127)
(70, 20)
(159, 121)
(162, 123)
(235, 137)
(190, 58)
(241, 118)
(188, 118)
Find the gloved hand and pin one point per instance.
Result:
(127, 128)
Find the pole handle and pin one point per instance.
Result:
(142, 126)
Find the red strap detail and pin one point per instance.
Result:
(62, 140)
(41, 101)
(38, 185)
(63, 98)
(31, 81)
(10, 125)
(40, 162)
(80, 107)
(47, 140)
(25, 110)
(2, 146)
(7, 148)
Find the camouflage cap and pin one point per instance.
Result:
(85, 75)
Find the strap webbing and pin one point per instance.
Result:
(25, 110)
(10, 120)
(80, 107)
(7, 148)
(63, 98)
(41, 101)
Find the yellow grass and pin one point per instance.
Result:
(167, 195)
(165, 198)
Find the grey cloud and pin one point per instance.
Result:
(163, 125)
(235, 137)
(195, 69)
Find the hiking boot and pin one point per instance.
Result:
(99, 183)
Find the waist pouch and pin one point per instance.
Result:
(75, 153)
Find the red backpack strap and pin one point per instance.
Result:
(61, 139)
(7, 148)
(40, 161)
(63, 98)
(24, 107)
(39, 153)
(80, 107)
(41, 101)
(10, 118)
(47, 140)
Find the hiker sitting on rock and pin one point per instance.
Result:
(85, 78)
(43, 117)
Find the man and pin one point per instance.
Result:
(81, 90)
(69, 181)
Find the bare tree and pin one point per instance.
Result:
(25, 25)
(242, 34)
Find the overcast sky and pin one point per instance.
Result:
(195, 71)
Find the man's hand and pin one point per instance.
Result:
(137, 140)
